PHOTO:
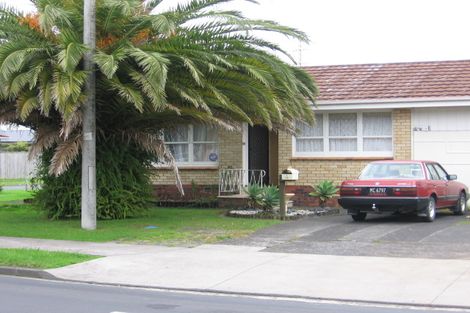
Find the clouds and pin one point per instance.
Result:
(363, 31)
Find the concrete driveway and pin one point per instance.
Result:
(448, 237)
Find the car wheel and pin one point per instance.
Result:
(359, 216)
(430, 210)
(461, 206)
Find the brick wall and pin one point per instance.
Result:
(314, 170)
(230, 155)
(191, 192)
(402, 134)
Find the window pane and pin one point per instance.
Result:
(377, 144)
(177, 134)
(432, 171)
(442, 174)
(305, 130)
(377, 124)
(344, 124)
(204, 133)
(206, 152)
(392, 171)
(343, 144)
(179, 152)
(309, 145)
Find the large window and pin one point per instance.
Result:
(193, 144)
(346, 134)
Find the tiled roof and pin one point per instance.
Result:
(393, 80)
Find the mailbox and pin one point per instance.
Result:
(290, 174)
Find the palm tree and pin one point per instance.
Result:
(191, 63)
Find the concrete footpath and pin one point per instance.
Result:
(242, 269)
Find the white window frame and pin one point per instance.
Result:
(359, 136)
(191, 143)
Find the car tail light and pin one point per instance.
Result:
(404, 191)
(350, 191)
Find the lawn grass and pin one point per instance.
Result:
(30, 258)
(14, 195)
(13, 181)
(174, 226)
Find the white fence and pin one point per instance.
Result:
(232, 181)
(16, 165)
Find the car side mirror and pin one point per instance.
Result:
(451, 177)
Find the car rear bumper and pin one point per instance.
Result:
(383, 204)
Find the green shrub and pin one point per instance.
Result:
(270, 198)
(19, 146)
(265, 198)
(254, 194)
(323, 191)
(123, 185)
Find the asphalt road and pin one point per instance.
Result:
(380, 235)
(22, 295)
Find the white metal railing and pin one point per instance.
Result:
(232, 181)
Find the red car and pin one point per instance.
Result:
(418, 187)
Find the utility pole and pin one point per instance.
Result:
(88, 209)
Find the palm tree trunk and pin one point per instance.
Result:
(88, 202)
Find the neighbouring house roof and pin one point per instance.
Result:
(440, 79)
(16, 135)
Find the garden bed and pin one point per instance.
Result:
(292, 213)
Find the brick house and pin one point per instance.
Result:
(364, 112)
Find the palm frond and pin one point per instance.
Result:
(129, 93)
(109, 63)
(26, 104)
(52, 15)
(64, 155)
(45, 137)
(71, 124)
(154, 144)
(70, 56)
(150, 5)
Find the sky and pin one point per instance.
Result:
(362, 31)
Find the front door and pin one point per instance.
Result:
(258, 150)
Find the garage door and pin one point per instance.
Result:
(443, 135)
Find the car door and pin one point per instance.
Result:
(438, 185)
(452, 188)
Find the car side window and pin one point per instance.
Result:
(432, 172)
(440, 171)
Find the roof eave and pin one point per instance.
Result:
(392, 103)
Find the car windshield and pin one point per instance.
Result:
(392, 171)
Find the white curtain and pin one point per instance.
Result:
(377, 124)
(309, 145)
(180, 152)
(305, 132)
(377, 144)
(343, 144)
(205, 152)
(343, 125)
(204, 133)
(177, 140)
(177, 134)
(205, 148)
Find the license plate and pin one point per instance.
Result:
(378, 191)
